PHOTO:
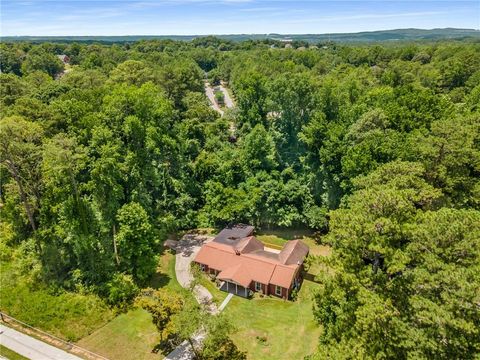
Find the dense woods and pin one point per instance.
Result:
(377, 147)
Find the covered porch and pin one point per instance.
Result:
(234, 288)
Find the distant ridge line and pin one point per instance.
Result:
(409, 34)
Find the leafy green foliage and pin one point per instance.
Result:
(375, 145)
(400, 265)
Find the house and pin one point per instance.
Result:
(64, 58)
(241, 263)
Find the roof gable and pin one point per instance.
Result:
(293, 252)
(248, 244)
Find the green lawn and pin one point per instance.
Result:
(218, 296)
(279, 238)
(10, 354)
(272, 328)
(128, 336)
(132, 335)
(267, 328)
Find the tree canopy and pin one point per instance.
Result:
(376, 146)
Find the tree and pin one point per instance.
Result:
(163, 305)
(135, 242)
(189, 326)
(251, 94)
(258, 151)
(12, 87)
(10, 59)
(20, 154)
(294, 100)
(193, 323)
(386, 289)
(132, 72)
(217, 344)
(121, 290)
(451, 155)
(39, 59)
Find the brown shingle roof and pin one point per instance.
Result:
(248, 244)
(232, 233)
(247, 261)
(293, 252)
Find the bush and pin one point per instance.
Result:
(121, 291)
(219, 97)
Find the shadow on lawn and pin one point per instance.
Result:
(159, 280)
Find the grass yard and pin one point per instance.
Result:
(279, 238)
(10, 354)
(218, 296)
(132, 335)
(128, 336)
(266, 326)
(272, 328)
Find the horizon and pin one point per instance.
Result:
(42, 18)
(239, 34)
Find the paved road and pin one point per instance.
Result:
(30, 347)
(227, 99)
(211, 96)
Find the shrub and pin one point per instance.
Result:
(121, 291)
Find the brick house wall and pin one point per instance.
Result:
(271, 291)
(263, 291)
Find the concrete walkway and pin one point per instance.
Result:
(30, 347)
(225, 302)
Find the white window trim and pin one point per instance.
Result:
(203, 267)
(258, 286)
(278, 290)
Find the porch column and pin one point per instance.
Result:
(227, 285)
(245, 292)
(236, 289)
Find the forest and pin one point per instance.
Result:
(376, 147)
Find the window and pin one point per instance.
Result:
(203, 267)
(258, 286)
(278, 290)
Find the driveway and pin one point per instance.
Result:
(186, 251)
(30, 347)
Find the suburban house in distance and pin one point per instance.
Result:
(64, 58)
(242, 263)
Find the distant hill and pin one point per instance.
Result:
(367, 36)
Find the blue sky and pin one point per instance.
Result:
(184, 17)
